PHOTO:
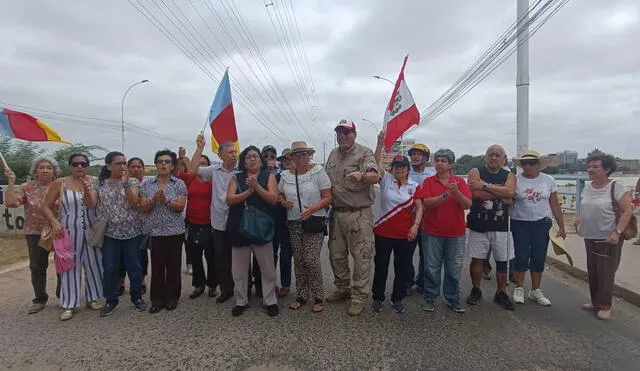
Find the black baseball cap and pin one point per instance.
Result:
(400, 160)
(269, 148)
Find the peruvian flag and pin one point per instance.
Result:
(401, 113)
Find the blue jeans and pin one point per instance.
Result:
(112, 250)
(530, 240)
(447, 250)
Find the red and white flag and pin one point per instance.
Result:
(401, 112)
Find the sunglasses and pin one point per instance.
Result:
(529, 162)
(269, 157)
(81, 164)
(252, 157)
(160, 162)
(301, 154)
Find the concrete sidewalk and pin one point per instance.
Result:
(627, 277)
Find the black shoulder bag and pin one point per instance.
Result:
(315, 224)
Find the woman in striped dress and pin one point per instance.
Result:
(78, 200)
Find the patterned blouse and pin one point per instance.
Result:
(125, 221)
(32, 194)
(162, 221)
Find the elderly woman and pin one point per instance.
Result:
(32, 195)
(601, 227)
(396, 225)
(76, 197)
(252, 189)
(307, 192)
(535, 203)
(445, 197)
(117, 204)
(162, 199)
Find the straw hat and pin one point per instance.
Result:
(286, 153)
(532, 155)
(301, 146)
(559, 244)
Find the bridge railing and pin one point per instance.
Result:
(574, 200)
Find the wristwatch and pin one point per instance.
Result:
(445, 195)
(485, 186)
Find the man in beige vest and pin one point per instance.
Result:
(353, 172)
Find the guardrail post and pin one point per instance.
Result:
(579, 188)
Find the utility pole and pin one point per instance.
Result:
(522, 78)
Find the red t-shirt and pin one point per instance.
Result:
(198, 199)
(447, 219)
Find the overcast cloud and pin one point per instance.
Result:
(78, 57)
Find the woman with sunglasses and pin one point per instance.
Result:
(307, 192)
(251, 186)
(535, 203)
(117, 204)
(77, 198)
(135, 169)
(32, 195)
(162, 199)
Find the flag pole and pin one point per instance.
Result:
(4, 162)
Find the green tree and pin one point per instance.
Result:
(95, 154)
(467, 162)
(19, 156)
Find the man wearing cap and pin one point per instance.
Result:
(353, 172)
(219, 176)
(493, 188)
(419, 154)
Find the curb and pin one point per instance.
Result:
(619, 291)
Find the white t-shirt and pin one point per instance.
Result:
(310, 184)
(532, 197)
(597, 218)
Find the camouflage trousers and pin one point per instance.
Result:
(351, 232)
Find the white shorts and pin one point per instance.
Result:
(481, 244)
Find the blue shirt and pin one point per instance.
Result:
(161, 220)
(420, 177)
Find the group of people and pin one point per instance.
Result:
(257, 210)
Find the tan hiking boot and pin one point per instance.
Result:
(337, 296)
(355, 308)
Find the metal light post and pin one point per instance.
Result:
(122, 106)
(372, 124)
(522, 78)
(385, 79)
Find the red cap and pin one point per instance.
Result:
(348, 125)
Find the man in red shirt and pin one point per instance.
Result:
(445, 197)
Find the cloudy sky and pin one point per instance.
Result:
(78, 57)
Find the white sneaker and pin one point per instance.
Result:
(189, 269)
(537, 295)
(518, 295)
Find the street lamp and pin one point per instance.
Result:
(385, 79)
(372, 123)
(122, 106)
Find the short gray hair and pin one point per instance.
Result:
(40, 160)
(224, 145)
(446, 153)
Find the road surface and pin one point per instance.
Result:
(202, 334)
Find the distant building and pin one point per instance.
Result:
(629, 166)
(399, 147)
(570, 157)
(555, 159)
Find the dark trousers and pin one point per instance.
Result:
(144, 263)
(199, 241)
(38, 264)
(414, 279)
(222, 258)
(401, 262)
(281, 243)
(112, 252)
(603, 260)
(166, 259)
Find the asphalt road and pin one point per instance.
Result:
(202, 334)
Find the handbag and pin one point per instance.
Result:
(256, 225)
(315, 224)
(97, 232)
(65, 257)
(46, 235)
(631, 230)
